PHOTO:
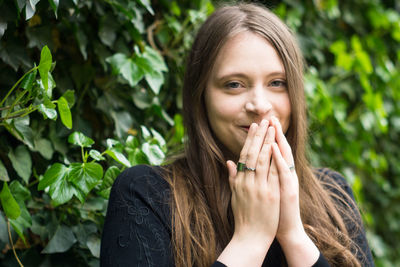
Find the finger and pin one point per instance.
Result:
(256, 144)
(285, 175)
(282, 142)
(270, 138)
(273, 177)
(263, 164)
(232, 172)
(264, 158)
(247, 143)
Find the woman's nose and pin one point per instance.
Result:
(258, 102)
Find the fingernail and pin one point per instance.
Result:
(270, 128)
(263, 122)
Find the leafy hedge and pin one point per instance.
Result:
(89, 88)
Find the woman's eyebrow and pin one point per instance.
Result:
(229, 75)
(242, 75)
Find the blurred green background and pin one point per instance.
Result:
(91, 87)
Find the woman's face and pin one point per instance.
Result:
(247, 84)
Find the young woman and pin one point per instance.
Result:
(242, 193)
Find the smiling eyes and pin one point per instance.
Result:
(278, 83)
(274, 84)
(233, 85)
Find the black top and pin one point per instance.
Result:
(137, 228)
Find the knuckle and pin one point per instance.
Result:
(243, 155)
(273, 196)
(262, 160)
(250, 159)
(273, 171)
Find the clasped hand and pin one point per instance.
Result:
(265, 201)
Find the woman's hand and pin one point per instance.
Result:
(298, 247)
(255, 200)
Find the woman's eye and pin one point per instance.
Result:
(278, 83)
(233, 85)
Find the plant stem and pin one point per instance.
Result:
(4, 108)
(15, 102)
(14, 115)
(15, 85)
(83, 155)
(33, 183)
(12, 244)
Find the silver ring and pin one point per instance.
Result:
(291, 167)
(250, 169)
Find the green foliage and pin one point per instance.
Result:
(113, 101)
(67, 131)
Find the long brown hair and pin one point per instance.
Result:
(200, 195)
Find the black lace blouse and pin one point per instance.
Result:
(137, 228)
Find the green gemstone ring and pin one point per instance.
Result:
(240, 166)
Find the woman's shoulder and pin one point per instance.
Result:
(331, 180)
(140, 175)
(338, 188)
(141, 181)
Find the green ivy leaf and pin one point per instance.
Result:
(30, 8)
(22, 222)
(132, 142)
(3, 173)
(69, 95)
(153, 153)
(22, 131)
(147, 5)
(45, 65)
(112, 143)
(119, 157)
(131, 72)
(96, 155)
(116, 61)
(54, 6)
(145, 133)
(137, 157)
(61, 190)
(28, 81)
(65, 112)
(21, 162)
(10, 206)
(56, 172)
(44, 147)
(158, 137)
(108, 29)
(79, 139)
(93, 243)
(85, 175)
(20, 192)
(50, 113)
(51, 85)
(82, 40)
(142, 98)
(3, 229)
(123, 122)
(62, 240)
(125, 66)
(155, 79)
(155, 60)
(110, 176)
